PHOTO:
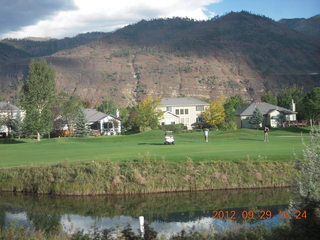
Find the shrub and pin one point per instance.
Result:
(177, 128)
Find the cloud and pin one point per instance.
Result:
(18, 13)
(61, 20)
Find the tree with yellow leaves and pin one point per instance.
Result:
(148, 114)
(215, 113)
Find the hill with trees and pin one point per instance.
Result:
(238, 53)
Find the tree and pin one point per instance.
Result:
(148, 114)
(108, 107)
(285, 96)
(231, 105)
(268, 97)
(17, 125)
(214, 114)
(38, 97)
(68, 107)
(81, 125)
(307, 188)
(256, 118)
(311, 104)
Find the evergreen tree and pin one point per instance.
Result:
(38, 98)
(311, 104)
(256, 118)
(81, 125)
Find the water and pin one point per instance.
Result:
(167, 213)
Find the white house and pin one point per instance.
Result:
(273, 115)
(106, 124)
(185, 110)
(8, 112)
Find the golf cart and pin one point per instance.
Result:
(168, 138)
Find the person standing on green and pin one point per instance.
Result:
(266, 134)
(206, 134)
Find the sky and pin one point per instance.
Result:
(67, 18)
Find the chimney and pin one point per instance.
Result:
(117, 113)
(293, 106)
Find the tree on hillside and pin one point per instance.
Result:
(256, 118)
(214, 114)
(311, 104)
(81, 125)
(108, 107)
(268, 97)
(231, 105)
(38, 97)
(148, 114)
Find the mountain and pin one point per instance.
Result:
(239, 53)
(309, 27)
(45, 46)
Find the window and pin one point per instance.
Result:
(177, 111)
(199, 119)
(186, 111)
(169, 109)
(181, 111)
(200, 108)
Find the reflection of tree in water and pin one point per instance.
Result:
(2, 217)
(45, 211)
(44, 221)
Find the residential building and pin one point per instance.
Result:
(273, 116)
(98, 122)
(106, 124)
(184, 110)
(8, 112)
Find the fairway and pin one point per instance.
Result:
(236, 145)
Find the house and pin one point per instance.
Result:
(106, 124)
(99, 122)
(8, 112)
(184, 110)
(273, 116)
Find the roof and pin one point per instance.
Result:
(8, 106)
(264, 108)
(92, 115)
(182, 101)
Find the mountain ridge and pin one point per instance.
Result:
(236, 53)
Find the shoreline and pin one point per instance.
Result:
(98, 178)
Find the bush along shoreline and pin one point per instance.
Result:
(145, 176)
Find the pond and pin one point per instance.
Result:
(167, 213)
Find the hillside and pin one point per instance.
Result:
(236, 53)
(309, 27)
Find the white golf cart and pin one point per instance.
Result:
(168, 138)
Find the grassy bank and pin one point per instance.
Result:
(239, 145)
(145, 176)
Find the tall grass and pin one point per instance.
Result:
(144, 176)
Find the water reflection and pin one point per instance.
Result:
(166, 213)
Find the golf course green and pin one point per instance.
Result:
(238, 145)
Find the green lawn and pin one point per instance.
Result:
(229, 146)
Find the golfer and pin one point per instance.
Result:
(206, 134)
(266, 134)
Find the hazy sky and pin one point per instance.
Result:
(65, 18)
